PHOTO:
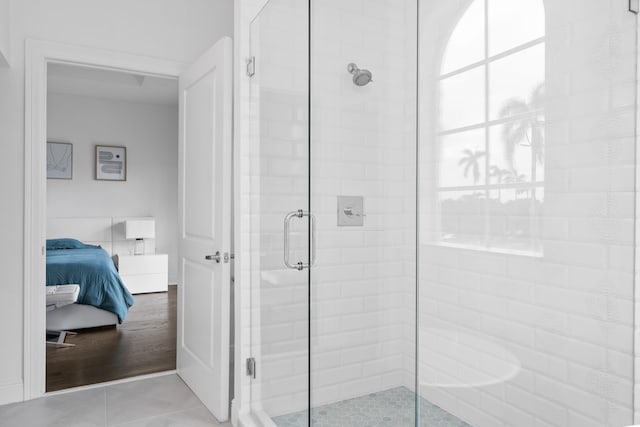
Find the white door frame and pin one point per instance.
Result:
(37, 55)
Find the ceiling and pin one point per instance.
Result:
(109, 84)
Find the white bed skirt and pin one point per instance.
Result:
(79, 316)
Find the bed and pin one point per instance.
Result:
(107, 233)
(70, 261)
(92, 231)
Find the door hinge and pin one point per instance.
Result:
(634, 6)
(251, 367)
(251, 66)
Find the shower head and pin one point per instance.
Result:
(360, 77)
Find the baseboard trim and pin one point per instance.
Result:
(247, 420)
(109, 383)
(264, 419)
(234, 413)
(11, 393)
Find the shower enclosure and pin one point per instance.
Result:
(442, 213)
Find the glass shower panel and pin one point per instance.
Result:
(363, 194)
(526, 195)
(279, 159)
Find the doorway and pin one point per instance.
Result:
(127, 205)
(40, 56)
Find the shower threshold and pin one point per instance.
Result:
(389, 408)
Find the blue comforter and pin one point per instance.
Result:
(90, 267)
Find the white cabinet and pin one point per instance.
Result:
(144, 273)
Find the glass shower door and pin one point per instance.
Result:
(363, 194)
(279, 220)
(342, 343)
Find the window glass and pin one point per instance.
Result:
(463, 159)
(467, 42)
(462, 99)
(491, 145)
(512, 23)
(515, 83)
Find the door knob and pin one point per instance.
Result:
(215, 257)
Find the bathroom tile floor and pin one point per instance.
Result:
(163, 401)
(390, 408)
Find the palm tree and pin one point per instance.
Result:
(471, 162)
(500, 174)
(528, 129)
(512, 177)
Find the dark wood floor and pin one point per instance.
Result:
(144, 344)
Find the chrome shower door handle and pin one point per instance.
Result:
(287, 240)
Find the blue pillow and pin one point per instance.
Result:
(53, 244)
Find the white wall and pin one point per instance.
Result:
(150, 133)
(5, 23)
(171, 29)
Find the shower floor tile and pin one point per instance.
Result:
(390, 408)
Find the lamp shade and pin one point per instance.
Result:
(140, 229)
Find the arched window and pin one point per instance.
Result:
(491, 126)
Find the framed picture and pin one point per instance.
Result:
(59, 160)
(111, 163)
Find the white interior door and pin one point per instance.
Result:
(205, 227)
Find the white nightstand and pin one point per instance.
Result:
(144, 273)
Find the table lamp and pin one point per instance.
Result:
(140, 229)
